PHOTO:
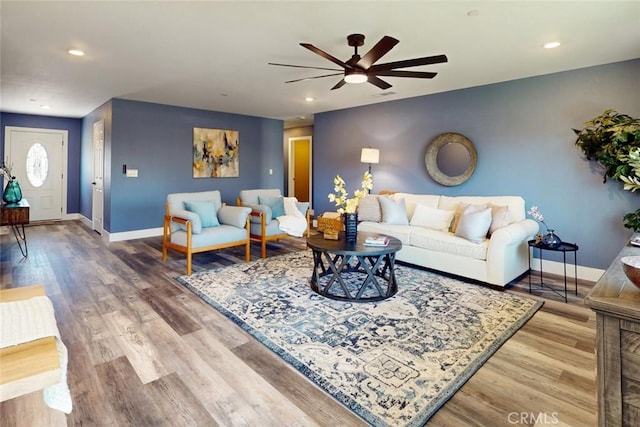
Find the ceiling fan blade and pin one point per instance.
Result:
(415, 74)
(339, 84)
(378, 51)
(303, 66)
(325, 55)
(378, 82)
(316, 77)
(427, 60)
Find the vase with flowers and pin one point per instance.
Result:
(348, 206)
(550, 238)
(12, 192)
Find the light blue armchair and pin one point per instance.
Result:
(198, 222)
(264, 225)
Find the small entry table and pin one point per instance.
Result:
(564, 248)
(354, 271)
(14, 215)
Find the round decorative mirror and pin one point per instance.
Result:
(451, 159)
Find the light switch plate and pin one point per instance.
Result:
(132, 173)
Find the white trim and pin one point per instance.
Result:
(557, 268)
(65, 156)
(134, 234)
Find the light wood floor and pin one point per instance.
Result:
(146, 352)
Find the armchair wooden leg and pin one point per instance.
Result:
(189, 263)
(264, 248)
(164, 253)
(247, 251)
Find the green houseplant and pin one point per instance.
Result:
(613, 140)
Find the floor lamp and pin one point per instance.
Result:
(371, 156)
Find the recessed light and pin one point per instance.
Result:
(308, 99)
(551, 45)
(76, 52)
(45, 107)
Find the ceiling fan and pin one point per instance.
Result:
(359, 69)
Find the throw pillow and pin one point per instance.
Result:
(369, 209)
(196, 225)
(460, 209)
(206, 210)
(499, 218)
(427, 217)
(275, 203)
(234, 215)
(474, 225)
(393, 212)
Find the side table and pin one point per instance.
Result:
(563, 247)
(14, 215)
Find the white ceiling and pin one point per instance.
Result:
(213, 55)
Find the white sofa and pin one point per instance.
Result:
(496, 260)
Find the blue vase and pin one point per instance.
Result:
(12, 192)
(551, 239)
(351, 227)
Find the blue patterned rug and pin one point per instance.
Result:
(394, 362)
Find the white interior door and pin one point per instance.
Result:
(97, 211)
(38, 157)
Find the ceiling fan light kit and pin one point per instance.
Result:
(355, 77)
(359, 69)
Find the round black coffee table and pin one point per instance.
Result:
(354, 271)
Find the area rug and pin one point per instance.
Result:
(393, 362)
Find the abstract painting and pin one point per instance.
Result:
(215, 153)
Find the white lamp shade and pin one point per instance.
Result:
(370, 155)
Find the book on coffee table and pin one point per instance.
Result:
(635, 241)
(376, 241)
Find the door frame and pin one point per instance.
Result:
(65, 156)
(291, 155)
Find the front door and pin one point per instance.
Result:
(38, 157)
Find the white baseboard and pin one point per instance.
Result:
(135, 234)
(554, 267)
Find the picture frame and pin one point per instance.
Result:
(216, 153)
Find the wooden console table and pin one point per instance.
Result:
(30, 366)
(16, 215)
(616, 302)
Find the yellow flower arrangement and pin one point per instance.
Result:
(339, 196)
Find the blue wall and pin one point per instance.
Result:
(522, 132)
(73, 126)
(158, 141)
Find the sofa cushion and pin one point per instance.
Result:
(434, 218)
(211, 236)
(276, 203)
(499, 218)
(411, 200)
(393, 212)
(447, 243)
(206, 210)
(400, 232)
(369, 209)
(515, 203)
(271, 229)
(474, 224)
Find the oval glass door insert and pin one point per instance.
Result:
(37, 165)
